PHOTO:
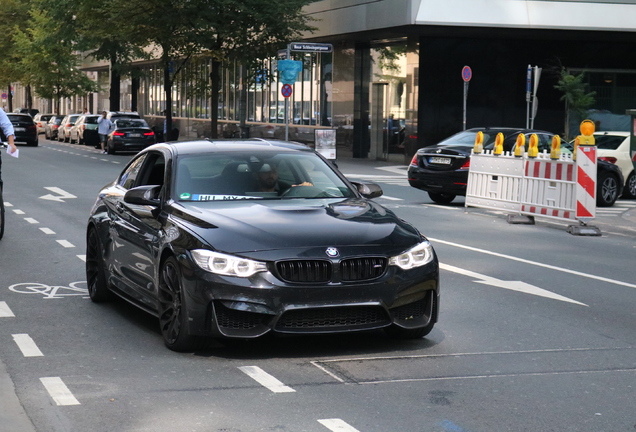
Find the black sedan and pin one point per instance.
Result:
(130, 135)
(238, 239)
(26, 131)
(442, 169)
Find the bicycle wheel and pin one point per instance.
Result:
(1, 213)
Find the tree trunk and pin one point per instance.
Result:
(214, 100)
(167, 87)
(115, 80)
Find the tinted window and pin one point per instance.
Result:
(129, 176)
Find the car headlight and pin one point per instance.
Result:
(414, 257)
(228, 265)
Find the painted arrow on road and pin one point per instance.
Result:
(510, 285)
(60, 197)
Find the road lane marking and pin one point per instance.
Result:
(58, 391)
(518, 286)
(65, 243)
(82, 257)
(18, 211)
(8, 204)
(265, 379)
(27, 345)
(31, 221)
(391, 198)
(61, 194)
(47, 230)
(337, 425)
(5, 311)
(535, 263)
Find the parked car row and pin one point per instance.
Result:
(442, 169)
(131, 132)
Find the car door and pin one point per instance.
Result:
(138, 231)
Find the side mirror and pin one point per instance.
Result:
(368, 189)
(143, 195)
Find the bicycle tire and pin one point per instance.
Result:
(1, 213)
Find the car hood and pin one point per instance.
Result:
(250, 226)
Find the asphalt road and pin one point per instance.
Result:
(536, 329)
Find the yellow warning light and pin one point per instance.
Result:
(533, 146)
(576, 146)
(479, 143)
(520, 145)
(555, 153)
(587, 133)
(499, 139)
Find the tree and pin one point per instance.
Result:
(13, 14)
(94, 24)
(577, 100)
(47, 59)
(247, 32)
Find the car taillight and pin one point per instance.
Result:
(149, 133)
(30, 127)
(83, 127)
(414, 160)
(608, 159)
(466, 164)
(55, 126)
(118, 134)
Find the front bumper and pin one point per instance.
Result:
(446, 182)
(248, 308)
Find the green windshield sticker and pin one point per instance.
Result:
(185, 196)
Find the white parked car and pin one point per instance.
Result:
(614, 147)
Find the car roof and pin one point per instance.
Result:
(230, 146)
(508, 129)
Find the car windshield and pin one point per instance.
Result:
(91, 120)
(130, 123)
(232, 176)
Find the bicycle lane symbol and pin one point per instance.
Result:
(51, 292)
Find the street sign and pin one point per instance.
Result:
(467, 73)
(310, 47)
(286, 90)
(4, 95)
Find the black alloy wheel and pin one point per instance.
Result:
(172, 313)
(607, 190)
(95, 273)
(441, 198)
(630, 186)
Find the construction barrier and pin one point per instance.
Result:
(536, 186)
(552, 185)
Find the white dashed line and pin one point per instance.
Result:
(7, 204)
(66, 243)
(58, 391)
(82, 257)
(266, 380)
(18, 211)
(27, 345)
(5, 311)
(391, 198)
(47, 231)
(31, 221)
(337, 425)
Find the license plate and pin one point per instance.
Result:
(134, 135)
(19, 129)
(441, 160)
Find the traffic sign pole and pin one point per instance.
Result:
(467, 74)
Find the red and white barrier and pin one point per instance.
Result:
(586, 183)
(562, 189)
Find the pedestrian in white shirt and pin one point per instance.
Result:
(104, 128)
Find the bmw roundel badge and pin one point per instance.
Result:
(332, 252)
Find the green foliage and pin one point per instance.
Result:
(577, 99)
